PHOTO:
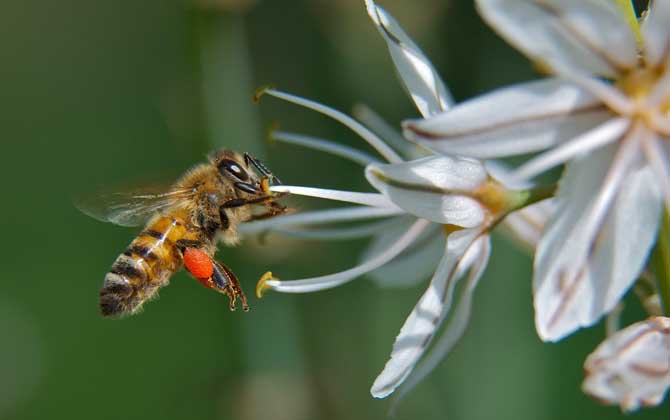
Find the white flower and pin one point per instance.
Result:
(448, 191)
(632, 367)
(614, 136)
(426, 199)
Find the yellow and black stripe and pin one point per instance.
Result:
(145, 266)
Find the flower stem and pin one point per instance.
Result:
(661, 262)
(628, 10)
(538, 194)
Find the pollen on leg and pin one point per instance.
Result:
(198, 263)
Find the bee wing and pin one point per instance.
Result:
(131, 208)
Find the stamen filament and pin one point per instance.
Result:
(594, 138)
(374, 121)
(316, 217)
(337, 234)
(607, 93)
(323, 145)
(367, 199)
(333, 280)
(367, 135)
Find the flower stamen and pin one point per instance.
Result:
(367, 199)
(262, 285)
(313, 284)
(382, 148)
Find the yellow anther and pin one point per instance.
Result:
(261, 286)
(260, 92)
(265, 186)
(272, 129)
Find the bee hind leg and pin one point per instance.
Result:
(211, 273)
(228, 283)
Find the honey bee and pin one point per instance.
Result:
(204, 206)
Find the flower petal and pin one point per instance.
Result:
(584, 36)
(661, 125)
(659, 162)
(656, 33)
(415, 264)
(660, 92)
(420, 78)
(456, 324)
(433, 187)
(632, 367)
(627, 238)
(597, 242)
(422, 323)
(515, 120)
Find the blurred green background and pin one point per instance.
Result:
(100, 93)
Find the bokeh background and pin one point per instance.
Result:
(103, 93)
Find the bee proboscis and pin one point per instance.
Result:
(184, 225)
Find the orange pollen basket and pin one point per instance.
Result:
(199, 264)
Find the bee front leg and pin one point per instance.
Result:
(239, 202)
(273, 209)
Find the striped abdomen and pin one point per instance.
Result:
(145, 266)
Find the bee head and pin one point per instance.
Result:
(231, 165)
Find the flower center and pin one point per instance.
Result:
(644, 86)
(498, 199)
(638, 83)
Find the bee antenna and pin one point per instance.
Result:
(264, 170)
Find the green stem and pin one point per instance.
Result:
(628, 11)
(661, 262)
(541, 193)
(534, 195)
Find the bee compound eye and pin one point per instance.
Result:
(234, 169)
